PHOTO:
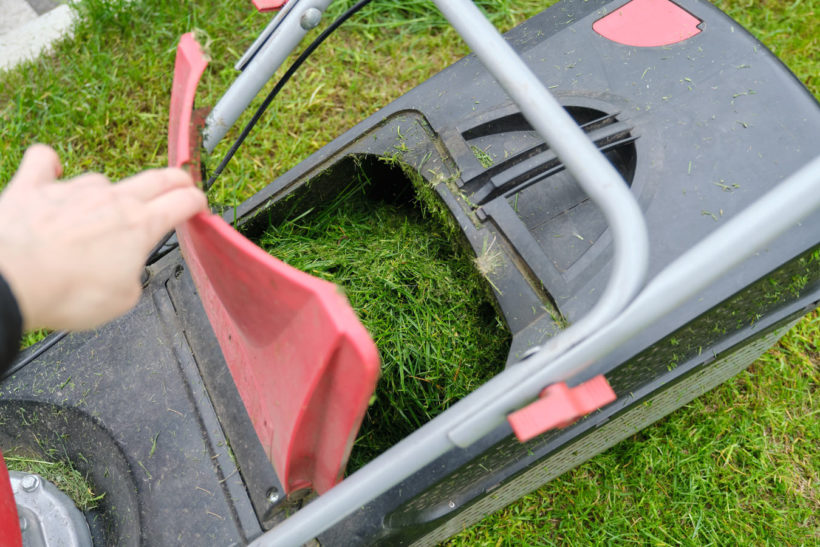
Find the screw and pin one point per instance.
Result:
(273, 495)
(311, 18)
(30, 483)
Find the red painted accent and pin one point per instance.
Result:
(648, 23)
(10, 535)
(268, 5)
(303, 364)
(559, 406)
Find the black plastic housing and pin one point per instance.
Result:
(699, 129)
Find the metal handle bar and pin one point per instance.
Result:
(725, 248)
(599, 180)
(579, 347)
(260, 63)
(602, 183)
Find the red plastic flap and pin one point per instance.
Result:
(559, 406)
(648, 23)
(268, 5)
(10, 535)
(189, 65)
(303, 364)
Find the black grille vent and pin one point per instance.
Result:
(517, 184)
(514, 157)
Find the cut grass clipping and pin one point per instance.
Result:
(414, 289)
(60, 473)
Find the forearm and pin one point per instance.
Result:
(11, 326)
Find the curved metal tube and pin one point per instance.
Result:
(742, 236)
(599, 179)
(260, 63)
(606, 188)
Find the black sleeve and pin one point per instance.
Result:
(11, 326)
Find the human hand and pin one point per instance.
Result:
(73, 251)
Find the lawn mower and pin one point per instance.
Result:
(637, 184)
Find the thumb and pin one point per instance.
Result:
(40, 165)
(173, 208)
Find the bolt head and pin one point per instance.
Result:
(273, 495)
(311, 18)
(30, 483)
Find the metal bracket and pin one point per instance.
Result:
(47, 516)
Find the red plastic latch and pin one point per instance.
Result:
(10, 535)
(559, 406)
(268, 5)
(648, 23)
(304, 366)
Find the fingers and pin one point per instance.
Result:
(93, 181)
(40, 165)
(173, 208)
(153, 183)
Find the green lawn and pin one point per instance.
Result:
(738, 465)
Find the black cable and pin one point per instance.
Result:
(280, 84)
(33, 354)
(154, 254)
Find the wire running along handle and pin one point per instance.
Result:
(279, 85)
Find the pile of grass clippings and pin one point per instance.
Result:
(62, 474)
(415, 291)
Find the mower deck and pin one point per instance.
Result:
(699, 129)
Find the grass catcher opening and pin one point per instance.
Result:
(411, 281)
